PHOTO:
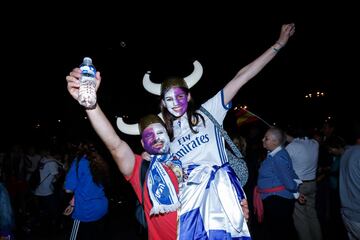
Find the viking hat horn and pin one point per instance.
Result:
(191, 80)
(138, 128)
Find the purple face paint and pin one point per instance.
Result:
(176, 101)
(155, 139)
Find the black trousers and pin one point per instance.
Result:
(88, 230)
(278, 221)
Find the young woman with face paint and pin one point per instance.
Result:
(160, 211)
(211, 195)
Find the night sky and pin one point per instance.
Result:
(41, 47)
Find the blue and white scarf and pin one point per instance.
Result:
(161, 190)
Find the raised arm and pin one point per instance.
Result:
(119, 149)
(253, 68)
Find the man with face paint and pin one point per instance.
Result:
(160, 195)
(155, 139)
(211, 195)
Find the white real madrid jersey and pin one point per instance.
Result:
(207, 146)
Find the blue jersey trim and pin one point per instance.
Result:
(229, 105)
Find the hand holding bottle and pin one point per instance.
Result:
(87, 89)
(73, 82)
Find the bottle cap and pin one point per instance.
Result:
(87, 60)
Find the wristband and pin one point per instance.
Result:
(280, 46)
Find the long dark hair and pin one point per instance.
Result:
(193, 116)
(98, 167)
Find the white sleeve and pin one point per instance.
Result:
(216, 106)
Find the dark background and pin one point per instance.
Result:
(40, 47)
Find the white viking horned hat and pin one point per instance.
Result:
(155, 88)
(135, 129)
(191, 80)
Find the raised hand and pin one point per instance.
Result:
(287, 30)
(73, 82)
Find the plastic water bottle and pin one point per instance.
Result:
(87, 92)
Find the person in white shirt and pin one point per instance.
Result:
(304, 153)
(47, 199)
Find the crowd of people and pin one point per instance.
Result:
(190, 190)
